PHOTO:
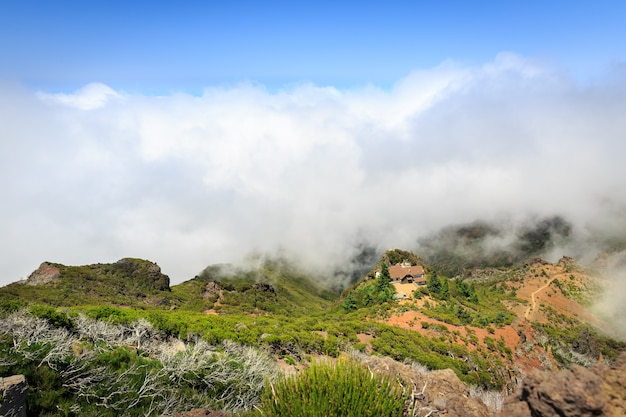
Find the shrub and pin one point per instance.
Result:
(11, 306)
(55, 318)
(345, 388)
(112, 314)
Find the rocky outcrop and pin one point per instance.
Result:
(146, 274)
(577, 392)
(435, 393)
(614, 387)
(13, 390)
(126, 273)
(211, 289)
(568, 264)
(43, 275)
(536, 261)
(586, 344)
(449, 396)
(264, 287)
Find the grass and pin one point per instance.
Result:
(344, 388)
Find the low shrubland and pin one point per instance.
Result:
(340, 388)
(103, 360)
(104, 369)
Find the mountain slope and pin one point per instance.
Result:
(489, 327)
(274, 286)
(534, 316)
(128, 282)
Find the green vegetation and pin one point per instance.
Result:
(466, 291)
(106, 370)
(395, 256)
(584, 294)
(574, 342)
(127, 282)
(371, 293)
(274, 287)
(101, 339)
(344, 388)
(433, 283)
(459, 302)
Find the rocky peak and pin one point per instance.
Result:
(435, 393)
(45, 274)
(567, 263)
(536, 261)
(149, 273)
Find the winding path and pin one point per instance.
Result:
(533, 304)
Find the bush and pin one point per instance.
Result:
(112, 314)
(55, 318)
(11, 306)
(345, 388)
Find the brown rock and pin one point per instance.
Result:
(440, 393)
(597, 391)
(459, 406)
(211, 289)
(44, 274)
(574, 393)
(514, 409)
(443, 385)
(614, 383)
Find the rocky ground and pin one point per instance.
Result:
(577, 392)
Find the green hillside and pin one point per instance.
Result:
(275, 286)
(127, 282)
(125, 321)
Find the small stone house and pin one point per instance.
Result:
(405, 273)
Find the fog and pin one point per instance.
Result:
(611, 306)
(310, 172)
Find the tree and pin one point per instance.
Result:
(465, 290)
(384, 279)
(433, 283)
(383, 285)
(445, 289)
(349, 304)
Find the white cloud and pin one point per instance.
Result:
(191, 180)
(90, 97)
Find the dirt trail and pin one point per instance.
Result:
(533, 303)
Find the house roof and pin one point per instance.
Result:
(400, 271)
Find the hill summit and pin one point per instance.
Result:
(121, 282)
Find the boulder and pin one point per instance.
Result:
(13, 390)
(576, 392)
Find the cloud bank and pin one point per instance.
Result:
(310, 171)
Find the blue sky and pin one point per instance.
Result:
(158, 46)
(192, 133)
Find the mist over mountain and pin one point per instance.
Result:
(315, 173)
(491, 244)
